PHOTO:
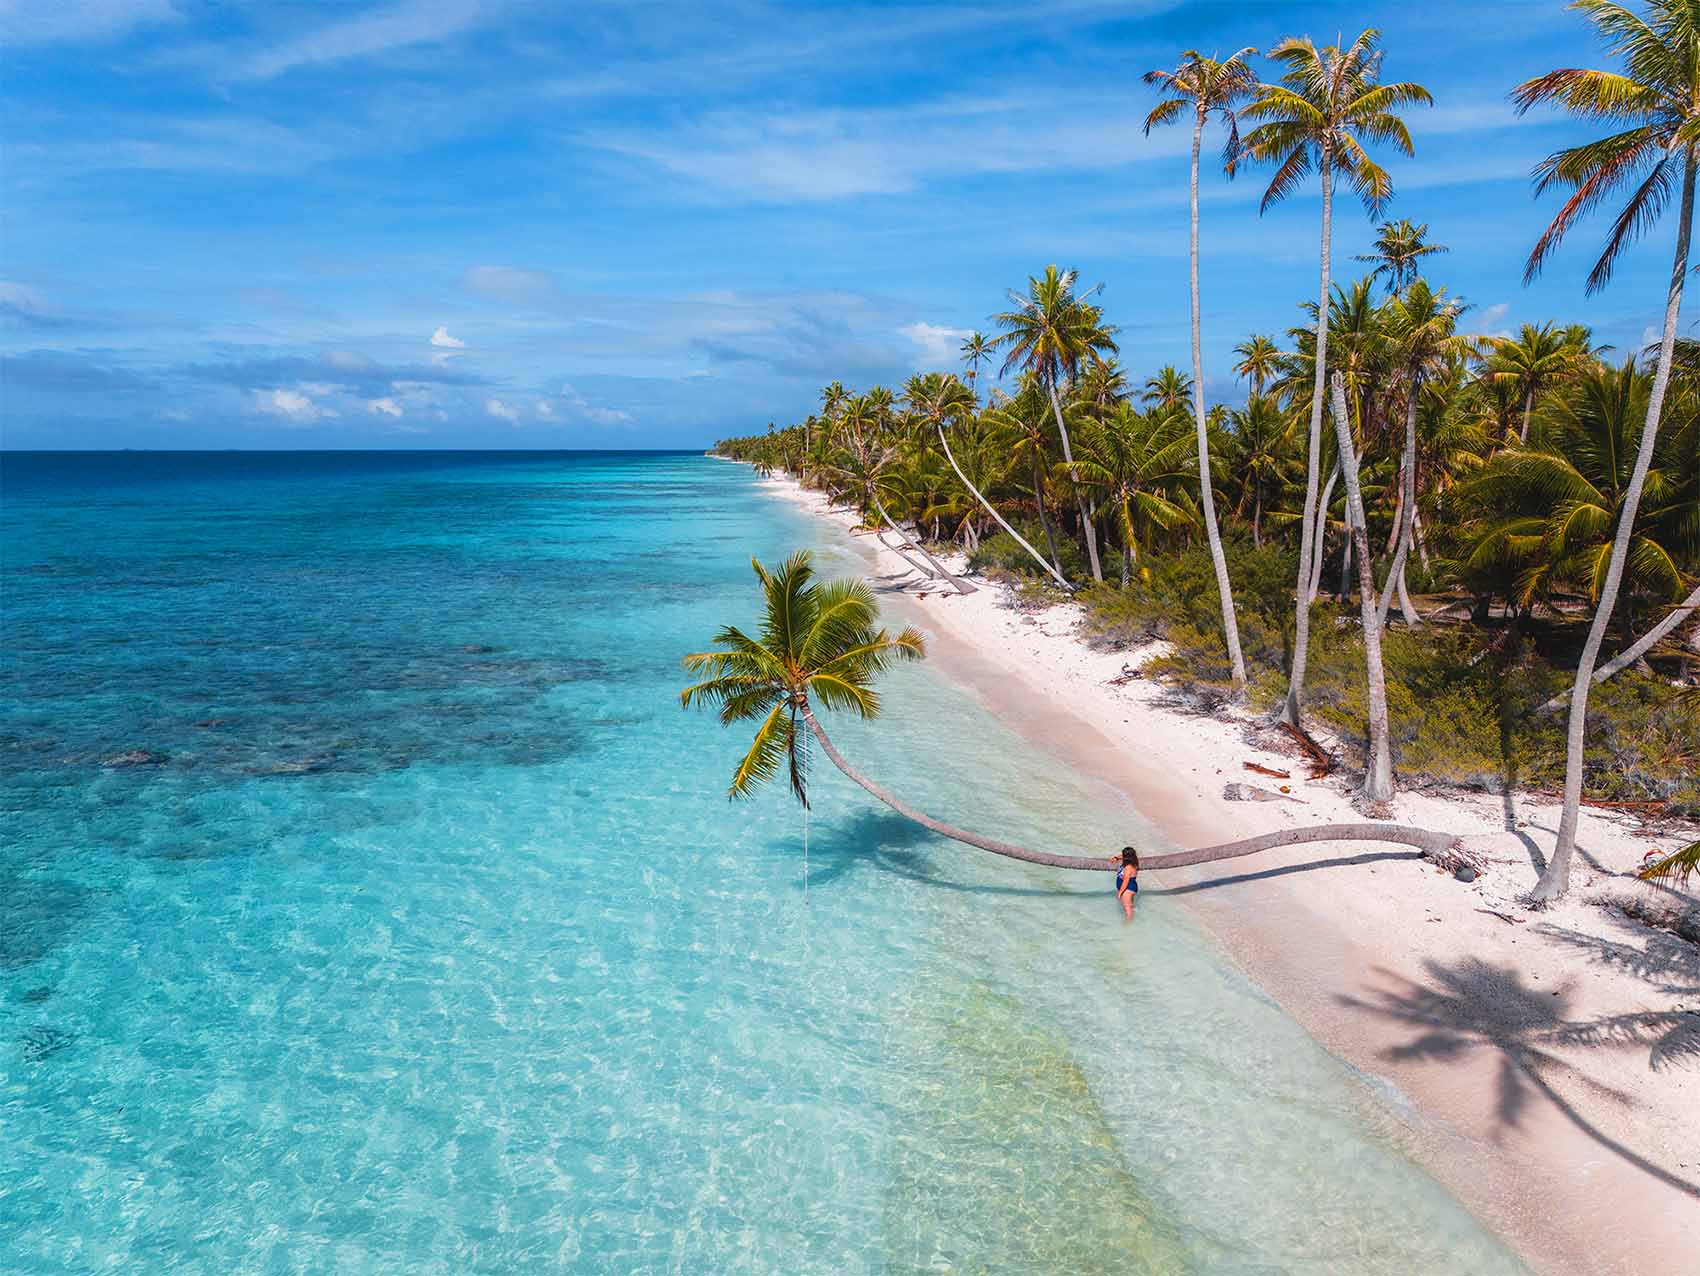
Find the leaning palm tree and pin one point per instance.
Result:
(820, 644)
(1399, 251)
(1326, 102)
(1207, 86)
(941, 399)
(1655, 109)
(1052, 331)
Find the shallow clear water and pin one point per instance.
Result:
(367, 904)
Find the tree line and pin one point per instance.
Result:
(1541, 476)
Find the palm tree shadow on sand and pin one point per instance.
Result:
(1472, 1005)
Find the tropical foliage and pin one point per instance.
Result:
(1524, 496)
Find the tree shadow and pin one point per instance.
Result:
(1472, 1005)
(1343, 861)
(887, 843)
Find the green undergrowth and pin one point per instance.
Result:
(1460, 701)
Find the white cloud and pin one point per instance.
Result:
(578, 406)
(385, 406)
(441, 339)
(506, 283)
(496, 408)
(937, 345)
(291, 405)
(545, 409)
(398, 26)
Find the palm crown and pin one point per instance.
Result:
(1052, 329)
(1656, 106)
(816, 639)
(1206, 85)
(1326, 102)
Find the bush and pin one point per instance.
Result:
(1000, 556)
(1460, 710)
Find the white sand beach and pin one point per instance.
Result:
(1544, 1066)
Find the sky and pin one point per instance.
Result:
(489, 224)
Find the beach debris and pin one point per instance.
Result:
(1127, 675)
(1504, 917)
(1455, 859)
(1251, 793)
(1318, 758)
(135, 757)
(1466, 873)
(1270, 771)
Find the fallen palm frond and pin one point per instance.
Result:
(1677, 867)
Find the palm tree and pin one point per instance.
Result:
(1421, 326)
(1656, 108)
(1258, 446)
(1326, 101)
(1050, 333)
(1022, 427)
(1378, 770)
(941, 399)
(1208, 86)
(1168, 391)
(975, 349)
(1552, 507)
(1137, 462)
(1399, 250)
(819, 643)
(1530, 363)
(1260, 361)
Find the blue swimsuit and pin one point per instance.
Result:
(1127, 879)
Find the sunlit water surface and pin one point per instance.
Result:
(368, 904)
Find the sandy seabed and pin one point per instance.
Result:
(1545, 1065)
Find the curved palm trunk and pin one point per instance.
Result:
(1528, 412)
(1556, 879)
(1088, 528)
(1430, 841)
(1322, 534)
(1378, 774)
(1407, 517)
(990, 509)
(1648, 640)
(939, 569)
(1224, 588)
(1293, 710)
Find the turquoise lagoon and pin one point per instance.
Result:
(368, 904)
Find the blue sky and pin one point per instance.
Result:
(470, 223)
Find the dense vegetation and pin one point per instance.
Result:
(1420, 535)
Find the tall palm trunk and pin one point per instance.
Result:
(1086, 524)
(1528, 411)
(1556, 879)
(1224, 589)
(1044, 518)
(1429, 841)
(1293, 710)
(939, 569)
(992, 510)
(1378, 774)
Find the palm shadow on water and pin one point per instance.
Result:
(1472, 1005)
(887, 843)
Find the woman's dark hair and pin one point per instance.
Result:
(1130, 856)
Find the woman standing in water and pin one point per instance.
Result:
(1127, 879)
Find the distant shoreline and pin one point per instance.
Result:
(1334, 931)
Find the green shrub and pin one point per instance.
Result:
(999, 555)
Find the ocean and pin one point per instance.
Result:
(368, 904)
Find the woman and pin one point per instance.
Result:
(1127, 878)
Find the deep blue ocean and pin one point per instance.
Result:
(369, 905)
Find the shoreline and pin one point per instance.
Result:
(1475, 1024)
